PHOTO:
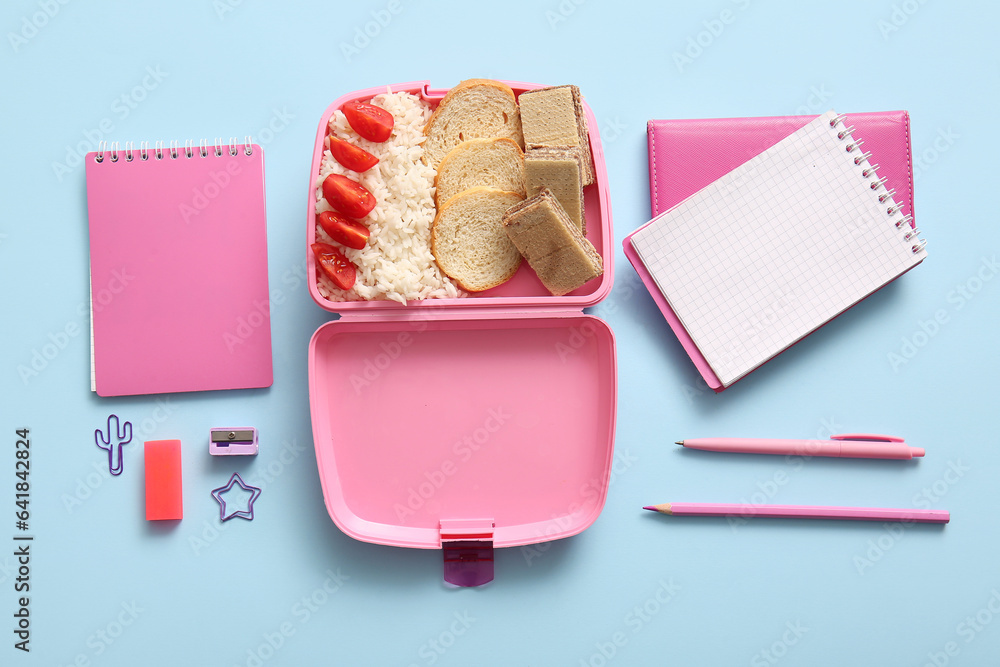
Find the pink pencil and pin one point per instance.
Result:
(801, 512)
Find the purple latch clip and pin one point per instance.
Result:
(467, 546)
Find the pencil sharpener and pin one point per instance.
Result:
(240, 441)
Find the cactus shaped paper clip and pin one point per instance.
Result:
(118, 434)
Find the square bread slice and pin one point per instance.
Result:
(552, 245)
(555, 117)
(557, 169)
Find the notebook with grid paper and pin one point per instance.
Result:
(772, 250)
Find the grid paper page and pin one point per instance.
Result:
(774, 249)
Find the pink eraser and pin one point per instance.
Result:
(164, 496)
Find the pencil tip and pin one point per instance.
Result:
(650, 508)
(679, 442)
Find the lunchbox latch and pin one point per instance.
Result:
(468, 551)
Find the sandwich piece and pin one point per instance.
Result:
(474, 109)
(468, 240)
(554, 247)
(494, 163)
(557, 169)
(555, 117)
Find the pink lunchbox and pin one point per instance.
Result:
(466, 424)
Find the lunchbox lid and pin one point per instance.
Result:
(524, 290)
(464, 434)
(466, 424)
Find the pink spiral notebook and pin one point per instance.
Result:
(178, 269)
(765, 229)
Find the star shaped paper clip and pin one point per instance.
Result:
(243, 514)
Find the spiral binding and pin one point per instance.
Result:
(870, 171)
(173, 152)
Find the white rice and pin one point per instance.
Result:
(397, 263)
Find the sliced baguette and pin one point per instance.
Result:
(468, 240)
(494, 163)
(474, 109)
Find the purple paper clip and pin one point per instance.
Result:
(243, 514)
(118, 435)
(233, 441)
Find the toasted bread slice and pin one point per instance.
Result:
(557, 169)
(468, 240)
(474, 109)
(494, 163)
(552, 244)
(555, 117)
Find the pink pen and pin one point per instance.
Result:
(852, 445)
(747, 511)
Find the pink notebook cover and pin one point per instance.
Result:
(688, 155)
(178, 268)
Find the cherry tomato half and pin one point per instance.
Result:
(371, 122)
(352, 157)
(348, 196)
(345, 231)
(337, 268)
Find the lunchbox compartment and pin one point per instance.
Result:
(418, 422)
(524, 289)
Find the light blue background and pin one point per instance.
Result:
(856, 593)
